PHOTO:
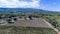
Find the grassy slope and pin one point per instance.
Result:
(25, 30)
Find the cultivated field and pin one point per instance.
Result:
(36, 22)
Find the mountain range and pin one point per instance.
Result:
(24, 10)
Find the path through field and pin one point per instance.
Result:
(52, 27)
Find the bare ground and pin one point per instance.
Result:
(36, 22)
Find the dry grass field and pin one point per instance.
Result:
(25, 30)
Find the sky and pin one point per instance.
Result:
(52, 5)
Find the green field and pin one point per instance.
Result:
(25, 30)
(54, 19)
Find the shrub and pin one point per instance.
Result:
(53, 22)
(15, 19)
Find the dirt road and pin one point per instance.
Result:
(52, 26)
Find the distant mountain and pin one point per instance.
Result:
(20, 9)
(27, 10)
(23, 10)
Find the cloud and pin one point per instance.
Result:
(19, 4)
